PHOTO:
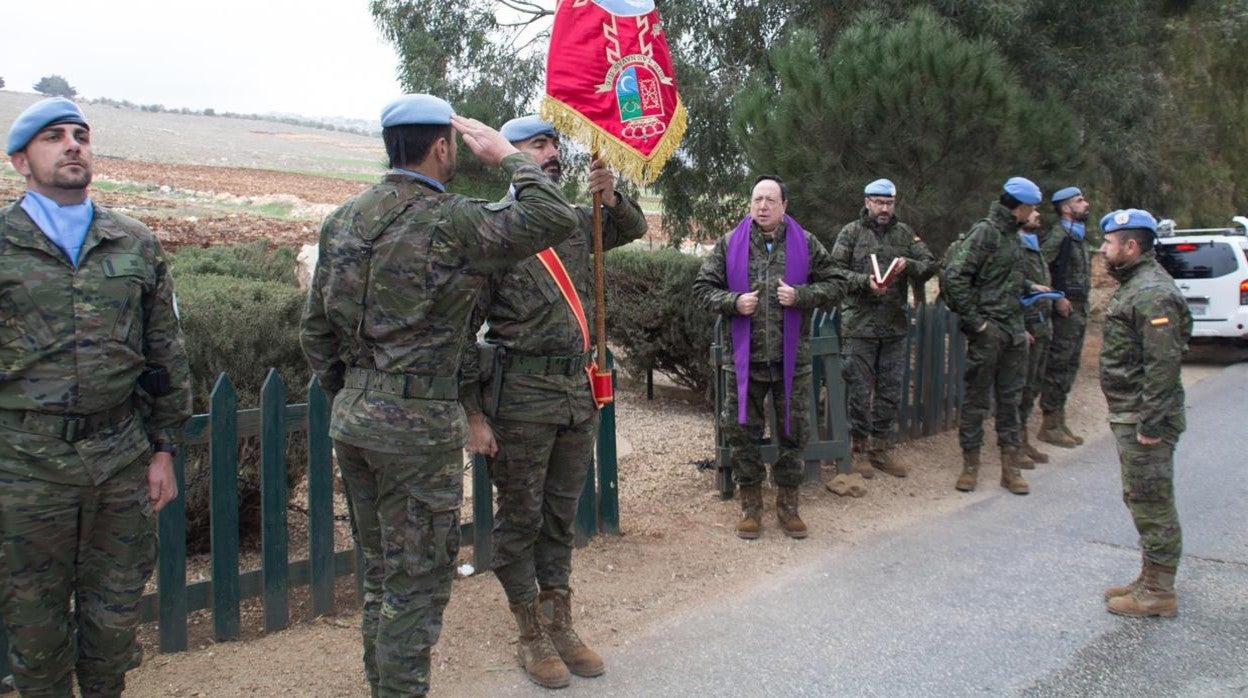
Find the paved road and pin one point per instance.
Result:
(1000, 598)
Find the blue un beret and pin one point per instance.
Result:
(40, 115)
(1129, 218)
(1063, 194)
(525, 127)
(417, 109)
(880, 187)
(1024, 190)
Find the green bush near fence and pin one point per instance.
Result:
(653, 319)
(254, 260)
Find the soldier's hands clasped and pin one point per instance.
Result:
(747, 303)
(602, 181)
(486, 143)
(786, 294)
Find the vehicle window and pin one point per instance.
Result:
(1197, 260)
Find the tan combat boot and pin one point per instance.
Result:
(970, 471)
(1153, 596)
(1111, 592)
(1011, 478)
(1061, 420)
(535, 650)
(859, 461)
(1032, 453)
(881, 459)
(1051, 431)
(556, 610)
(786, 511)
(751, 524)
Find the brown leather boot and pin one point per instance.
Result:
(751, 524)
(556, 610)
(1011, 479)
(786, 512)
(1111, 592)
(859, 462)
(882, 459)
(1061, 420)
(535, 650)
(970, 471)
(1031, 452)
(1153, 596)
(1051, 431)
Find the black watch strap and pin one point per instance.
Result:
(167, 447)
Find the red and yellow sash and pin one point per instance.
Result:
(599, 381)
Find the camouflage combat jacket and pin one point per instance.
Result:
(1069, 263)
(983, 275)
(1147, 326)
(1038, 317)
(863, 313)
(398, 274)
(74, 341)
(529, 319)
(826, 285)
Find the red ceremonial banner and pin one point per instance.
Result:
(609, 84)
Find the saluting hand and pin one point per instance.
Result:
(602, 181)
(486, 143)
(747, 303)
(786, 294)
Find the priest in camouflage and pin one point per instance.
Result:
(399, 270)
(535, 419)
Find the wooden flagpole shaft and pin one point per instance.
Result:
(600, 301)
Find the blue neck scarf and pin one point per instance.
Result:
(1029, 240)
(1076, 229)
(433, 183)
(66, 226)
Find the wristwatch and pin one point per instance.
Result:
(166, 447)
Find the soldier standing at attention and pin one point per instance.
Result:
(89, 330)
(1147, 326)
(981, 282)
(400, 268)
(536, 418)
(767, 276)
(1036, 322)
(1066, 252)
(873, 321)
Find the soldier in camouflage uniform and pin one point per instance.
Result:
(1066, 252)
(981, 281)
(89, 334)
(399, 270)
(1039, 330)
(536, 419)
(763, 265)
(874, 324)
(1147, 327)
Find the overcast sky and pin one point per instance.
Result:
(317, 58)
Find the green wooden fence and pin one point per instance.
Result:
(274, 422)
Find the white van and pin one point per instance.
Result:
(1210, 266)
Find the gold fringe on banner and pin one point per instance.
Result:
(620, 156)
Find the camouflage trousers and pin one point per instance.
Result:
(539, 472)
(1064, 351)
(996, 366)
(96, 545)
(1037, 359)
(873, 368)
(1148, 490)
(744, 439)
(406, 514)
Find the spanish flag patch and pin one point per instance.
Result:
(1159, 321)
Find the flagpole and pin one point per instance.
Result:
(600, 301)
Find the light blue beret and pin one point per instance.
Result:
(418, 109)
(1024, 190)
(40, 115)
(1063, 194)
(1128, 218)
(880, 187)
(525, 127)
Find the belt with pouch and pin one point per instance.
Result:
(406, 385)
(547, 365)
(67, 427)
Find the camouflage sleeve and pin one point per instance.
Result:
(1162, 321)
(164, 347)
(622, 223)
(1051, 244)
(499, 234)
(842, 257)
(958, 277)
(710, 288)
(828, 283)
(316, 337)
(470, 363)
(920, 262)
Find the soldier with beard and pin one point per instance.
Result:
(1066, 253)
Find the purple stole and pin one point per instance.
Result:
(796, 273)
